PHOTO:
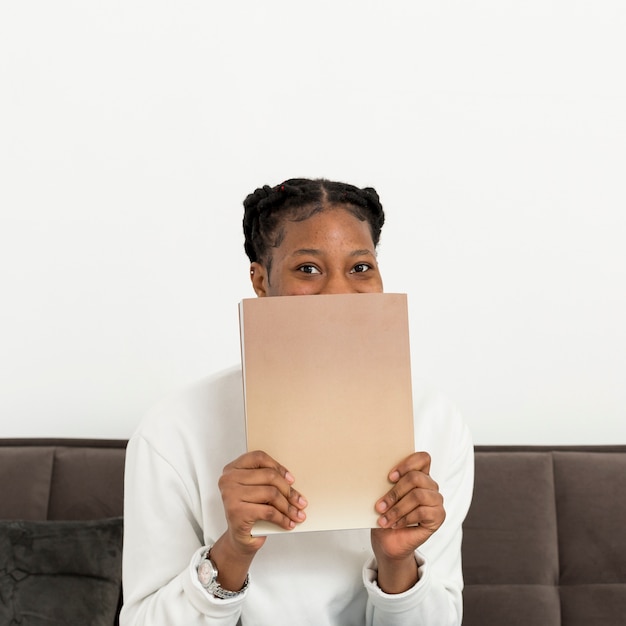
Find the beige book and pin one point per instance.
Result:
(327, 389)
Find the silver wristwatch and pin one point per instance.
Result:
(207, 575)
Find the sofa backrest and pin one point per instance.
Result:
(69, 495)
(61, 479)
(545, 539)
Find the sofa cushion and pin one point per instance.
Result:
(86, 483)
(61, 479)
(510, 557)
(58, 573)
(510, 533)
(591, 509)
(25, 474)
(512, 605)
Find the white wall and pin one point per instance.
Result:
(495, 132)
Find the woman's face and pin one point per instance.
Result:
(330, 252)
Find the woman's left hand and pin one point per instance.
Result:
(410, 512)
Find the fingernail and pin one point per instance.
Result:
(394, 476)
(302, 501)
(383, 521)
(301, 515)
(289, 477)
(381, 506)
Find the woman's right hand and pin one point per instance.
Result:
(256, 487)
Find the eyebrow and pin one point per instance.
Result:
(316, 252)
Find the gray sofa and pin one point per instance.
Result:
(545, 539)
(544, 542)
(60, 564)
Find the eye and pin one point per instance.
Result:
(308, 269)
(359, 268)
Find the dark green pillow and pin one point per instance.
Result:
(60, 573)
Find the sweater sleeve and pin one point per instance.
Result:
(436, 599)
(160, 583)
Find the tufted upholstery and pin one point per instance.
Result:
(544, 541)
(61, 479)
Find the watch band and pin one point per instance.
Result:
(207, 575)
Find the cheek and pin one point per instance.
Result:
(293, 289)
(289, 286)
(308, 290)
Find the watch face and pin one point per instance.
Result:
(206, 573)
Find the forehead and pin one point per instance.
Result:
(335, 225)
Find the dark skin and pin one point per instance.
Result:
(330, 252)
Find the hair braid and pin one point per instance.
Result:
(297, 199)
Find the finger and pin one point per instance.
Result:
(258, 459)
(268, 495)
(414, 480)
(246, 505)
(419, 507)
(246, 515)
(418, 461)
(258, 468)
(269, 504)
(428, 517)
(268, 513)
(264, 478)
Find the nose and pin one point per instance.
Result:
(337, 283)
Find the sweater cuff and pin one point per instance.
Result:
(202, 600)
(397, 602)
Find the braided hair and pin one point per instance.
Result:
(297, 199)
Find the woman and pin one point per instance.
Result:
(193, 492)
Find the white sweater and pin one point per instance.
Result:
(173, 509)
